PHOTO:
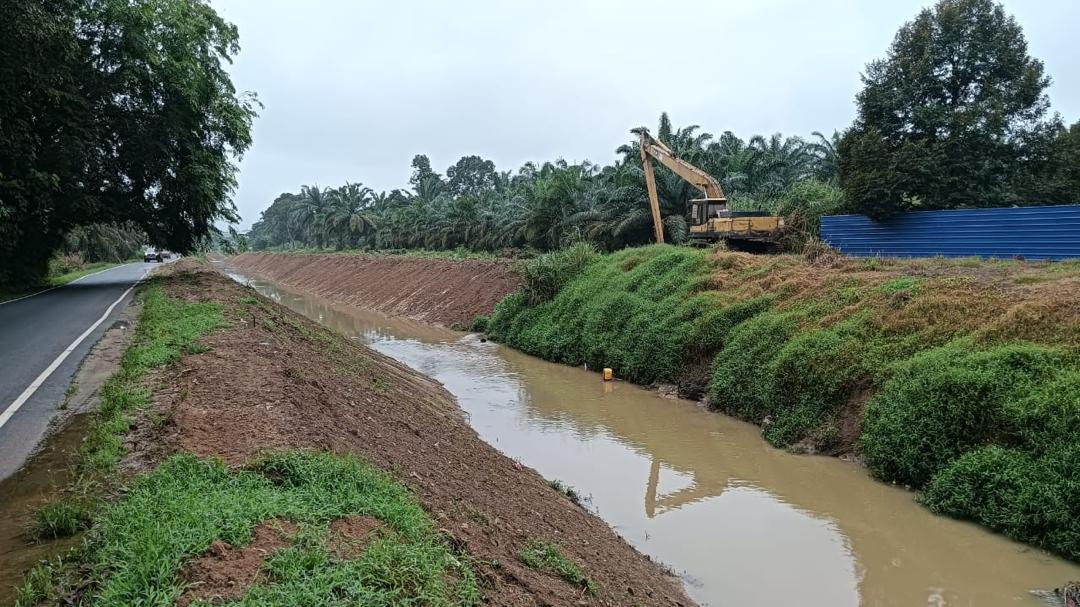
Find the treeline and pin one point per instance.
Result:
(955, 116)
(116, 117)
(546, 206)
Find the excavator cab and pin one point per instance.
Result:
(703, 209)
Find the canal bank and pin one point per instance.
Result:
(247, 452)
(742, 522)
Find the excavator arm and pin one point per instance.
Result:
(654, 148)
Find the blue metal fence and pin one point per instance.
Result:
(1049, 232)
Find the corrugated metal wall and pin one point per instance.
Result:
(1050, 232)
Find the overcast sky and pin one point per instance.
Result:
(353, 89)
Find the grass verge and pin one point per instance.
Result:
(167, 329)
(938, 370)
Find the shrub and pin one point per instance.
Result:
(480, 324)
(543, 277)
(947, 401)
(738, 386)
(1030, 499)
(637, 311)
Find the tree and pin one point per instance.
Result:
(114, 111)
(421, 171)
(943, 119)
(471, 176)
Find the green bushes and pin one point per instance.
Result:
(1031, 499)
(637, 311)
(947, 401)
(1031, 490)
(546, 275)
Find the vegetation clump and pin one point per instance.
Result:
(547, 557)
(58, 519)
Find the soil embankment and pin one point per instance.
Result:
(440, 291)
(273, 379)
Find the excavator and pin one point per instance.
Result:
(710, 219)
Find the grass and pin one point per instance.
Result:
(90, 268)
(570, 493)
(937, 369)
(167, 329)
(138, 545)
(548, 558)
(58, 519)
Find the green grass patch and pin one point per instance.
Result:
(950, 400)
(548, 558)
(901, 283)
(170, 515)
(58, 519)
(167, 329)
(87, 269)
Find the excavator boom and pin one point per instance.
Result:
(654, 148)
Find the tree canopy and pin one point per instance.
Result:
(955, 116)
(114, 112)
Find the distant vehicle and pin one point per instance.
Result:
(152, 255)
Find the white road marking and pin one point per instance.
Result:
(65, 284)
(33, 387)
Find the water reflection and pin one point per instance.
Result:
(743, 523)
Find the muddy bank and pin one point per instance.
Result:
(441, 291)
(274, 379)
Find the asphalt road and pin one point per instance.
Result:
(34, 333)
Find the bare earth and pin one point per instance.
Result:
(440, 291)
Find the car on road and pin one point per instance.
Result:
(151, 255)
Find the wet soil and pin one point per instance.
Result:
(224, 573)
(277, 379)
(350, 536)
(441, 291)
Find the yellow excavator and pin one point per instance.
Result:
(710, 219)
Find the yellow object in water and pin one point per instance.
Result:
(608, 375)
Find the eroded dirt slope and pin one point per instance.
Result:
(442, 291)
(276, 379)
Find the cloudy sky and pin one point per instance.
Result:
(354, 89)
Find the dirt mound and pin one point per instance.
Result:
(442, 291)
(350, 536)
(277, 379)
(224, 573)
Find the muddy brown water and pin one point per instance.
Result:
(44, 475)
(741, 522)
